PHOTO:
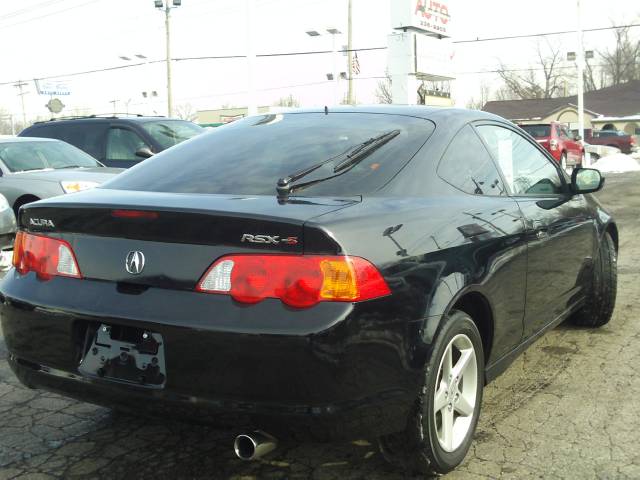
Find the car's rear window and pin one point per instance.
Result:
(249, 156)
(537, 131)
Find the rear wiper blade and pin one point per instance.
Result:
(364, 150)
(352, 157)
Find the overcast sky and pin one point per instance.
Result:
(40, 38)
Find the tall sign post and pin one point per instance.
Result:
(419, 48)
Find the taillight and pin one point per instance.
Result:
(47, 257)
(297, 280)
(553, 144)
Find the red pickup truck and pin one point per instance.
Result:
(557, 140)
(612, 138)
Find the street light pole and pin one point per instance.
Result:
(167, 26)
(350, 94)
(252, 104)
(166, 6)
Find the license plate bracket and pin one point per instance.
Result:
(135, 358)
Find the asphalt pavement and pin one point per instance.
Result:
(568, 408)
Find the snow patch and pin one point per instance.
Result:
(616, 163)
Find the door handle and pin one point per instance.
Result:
(541, 230)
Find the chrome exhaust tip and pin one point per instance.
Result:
(252, 446)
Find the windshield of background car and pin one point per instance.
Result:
(171, 132)
(248, 157)
(25, 156)
(537, 131)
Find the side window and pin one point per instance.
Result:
(123, 143)
(468, 166)
(527, 171)
(85, 136)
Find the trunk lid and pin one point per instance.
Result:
(180, 235)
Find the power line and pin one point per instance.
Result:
(50, 14)
(316, 52)
(181, 59)
(22, 11)
(536, 69)
(548, 34)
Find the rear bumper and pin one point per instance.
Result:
(336, 368)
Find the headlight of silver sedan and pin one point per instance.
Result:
(71, 186)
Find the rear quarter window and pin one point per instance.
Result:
(249, 156)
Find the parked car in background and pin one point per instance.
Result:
(612, 138)
(36, 168)
(555, 137)
(7, 232)
(7, 223)
(117, 141)
(354, 272)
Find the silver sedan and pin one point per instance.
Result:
(35, 168)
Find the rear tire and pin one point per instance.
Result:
(601, 298)
(440, 430)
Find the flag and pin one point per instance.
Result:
(355, 64)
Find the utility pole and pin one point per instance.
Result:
(167, 26)
(165, 5)
(252, 104)
(580, 58)
(350, 94)
(20, 85)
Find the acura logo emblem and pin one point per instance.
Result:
(134, 263)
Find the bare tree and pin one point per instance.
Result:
(288, 101)
(383, 90)
(485, 95)
(622, 64)
(186, 112)
(544, 79)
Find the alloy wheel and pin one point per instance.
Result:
(455, 393)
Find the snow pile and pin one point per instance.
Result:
(616, 163)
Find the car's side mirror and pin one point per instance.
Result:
(144, 152)
(577, 138)
(586, 180)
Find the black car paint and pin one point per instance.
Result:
(355, 368)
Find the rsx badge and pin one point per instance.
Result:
(271, 239)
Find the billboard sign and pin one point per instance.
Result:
(431, 17)
(52, 87)
(434, 58)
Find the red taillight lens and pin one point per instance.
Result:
(47, 257)
(298, 280)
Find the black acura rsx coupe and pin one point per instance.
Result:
(350, 272)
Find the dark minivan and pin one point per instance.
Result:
(117, 141)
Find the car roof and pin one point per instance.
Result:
(420, 111)
(102, 119)
(27, 139)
